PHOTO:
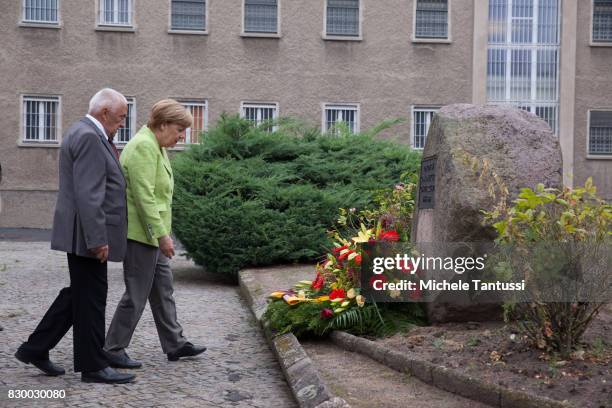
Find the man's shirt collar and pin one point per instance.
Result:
(98, 124)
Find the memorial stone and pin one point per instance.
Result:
(474, 157)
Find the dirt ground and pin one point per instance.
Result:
(494, 352)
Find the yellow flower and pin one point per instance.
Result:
(363, 235)
(322, 299)
(301, 294)
(351, 293)
(345, 303)
(360, 300)
(338, 310)
(277, 295)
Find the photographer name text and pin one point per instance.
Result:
(445, 285)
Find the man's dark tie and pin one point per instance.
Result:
(114, 147)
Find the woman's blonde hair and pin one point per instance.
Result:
(169, 111)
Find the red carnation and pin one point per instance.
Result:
(406, 267)
(337, 294)
(343, 256)
(375, 278)
(326, 313)
(389, 236)
(357, 259)
(338, 249)
(318, 282)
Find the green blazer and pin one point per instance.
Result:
(150, 185)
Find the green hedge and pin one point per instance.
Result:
(246, 197)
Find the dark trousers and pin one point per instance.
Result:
(82, 306)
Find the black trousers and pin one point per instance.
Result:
(82, 306)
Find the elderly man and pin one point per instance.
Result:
(90, 225)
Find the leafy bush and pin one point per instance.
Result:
(247, 197)
(561, 245)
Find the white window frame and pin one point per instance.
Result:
(277, 34)
(260, 105)
(203, 103)
(103, 25)
(335, 37)
(440, 40)
(132, 122)
(533, 103)
(341, 105)
(58, 129)
(591, 26)
(416, 109)
(186, 31)
(590, 155)
(40, 23)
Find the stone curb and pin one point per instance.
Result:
(307, 387)
(443, 377)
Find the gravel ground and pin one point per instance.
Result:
(237, 370)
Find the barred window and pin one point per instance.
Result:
(342, 17)
(125, 133)
(523, 56)
(600, 132)
(116, 12)
(260, 16)
(259, 113)
(188, 15)
(199, 111)
(41, 118)
(602, 20)
(431, 19)
(347, 115)
(421, 120)
(41, 11)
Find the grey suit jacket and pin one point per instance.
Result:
(91, 207)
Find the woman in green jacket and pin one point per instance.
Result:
(147, 272)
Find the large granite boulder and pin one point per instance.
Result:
(476, 157)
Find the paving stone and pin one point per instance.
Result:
(210, 310)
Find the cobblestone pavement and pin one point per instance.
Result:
(237, 370)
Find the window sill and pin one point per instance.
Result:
(599, 157)
(260, 35)
(187, 32)
(431, 40)
(121, 29)
(600, 44)
(327, 37)
(53, 26)
(39, 144)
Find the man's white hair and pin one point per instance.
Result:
(105, 98)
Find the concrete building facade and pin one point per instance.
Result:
(360, 61)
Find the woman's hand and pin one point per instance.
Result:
(166, 245)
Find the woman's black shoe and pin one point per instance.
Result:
(187, 350)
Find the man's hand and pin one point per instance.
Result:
(101, 253)
(166, 246)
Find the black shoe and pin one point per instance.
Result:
(121, 360)
(187, 350)
(44, 365)
(106, 376)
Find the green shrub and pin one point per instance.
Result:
(560, 242)
(247, 197)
